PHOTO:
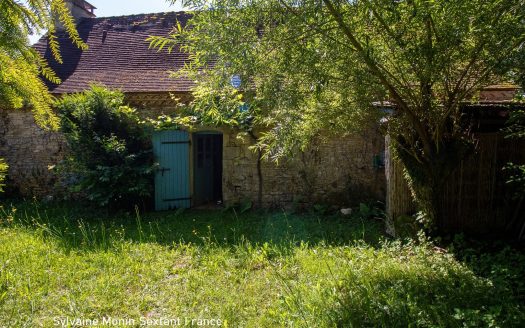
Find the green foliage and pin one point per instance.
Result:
(3, 172)
(516, 177)
(111, 152)
(20, 65)
(516, 124)
(301, 70)
(319, 209)
(316, 66)
(251, 270)
(370, 211)
(169, 122)
(243, 206)
(20, 83)
(516, 129)
(496, 260)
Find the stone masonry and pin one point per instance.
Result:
(30, 152)
(337, 171)
(334, 170)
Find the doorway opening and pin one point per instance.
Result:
(207, 172)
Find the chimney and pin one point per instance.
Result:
(80, 9)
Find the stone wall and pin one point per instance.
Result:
(29, 151)
(338, 171)
(334, 170)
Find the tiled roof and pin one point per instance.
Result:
(118, 55)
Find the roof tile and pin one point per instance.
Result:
(118, 55)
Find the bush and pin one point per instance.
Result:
(3, 172)
(516, 130)
(110, 151)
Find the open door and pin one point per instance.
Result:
(207, 162)
(172, 179)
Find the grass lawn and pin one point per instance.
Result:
(63, 262)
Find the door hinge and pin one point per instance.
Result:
(176, 142)
(164, 169)
(176, 199)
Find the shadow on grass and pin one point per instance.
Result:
(373, 284)
(418, 297)
(501, 261)
(76, 226)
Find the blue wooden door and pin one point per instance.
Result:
(172, 179)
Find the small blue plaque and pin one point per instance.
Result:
(243, 108)
(235, 81)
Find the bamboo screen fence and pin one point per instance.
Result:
(477, 198)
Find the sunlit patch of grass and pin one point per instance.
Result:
(249, 270)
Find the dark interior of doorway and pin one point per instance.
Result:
(207, 161)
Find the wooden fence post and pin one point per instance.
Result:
(398, 195)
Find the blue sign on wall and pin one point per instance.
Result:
(236, 81)
(243, 108)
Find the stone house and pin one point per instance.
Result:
(209, 165)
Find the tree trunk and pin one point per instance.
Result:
(259, 171)
(429, 197)
(428, 177)
(259, 178)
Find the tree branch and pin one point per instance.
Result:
(374, 68)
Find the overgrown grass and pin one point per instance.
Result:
(249, 270)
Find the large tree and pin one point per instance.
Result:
(21, 67)
(308, 66)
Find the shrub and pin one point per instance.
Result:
(3, 172)
(110, 152)
(516, 130)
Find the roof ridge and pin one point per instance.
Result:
(182, 12)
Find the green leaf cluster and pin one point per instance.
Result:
(111, 158)
(516, 129)
(3, 173)
(328, 65)
(20, 65)
(317, 67)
